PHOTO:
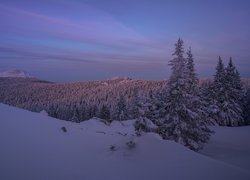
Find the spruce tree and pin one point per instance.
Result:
(190, 71)
(217, 93)
(133, 109)
(207, 95)
(220, 78)
(144, 121)
(197, 101)
(246, 108)
(151, 106)
(183, 120)
(196, 104)
(233, 106)
(105, 113)
(227, 94)
(121, 109)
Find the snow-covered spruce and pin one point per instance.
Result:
(246, 107)
(121, 112)
(143, 124)
(184, 118)
(226, 94)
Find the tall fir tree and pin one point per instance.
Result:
(220, 78)
(197, 101)
(227, 95)
(217, 92)
(183, 123)
(234, 106)
(151, 106)
(207, 96)
(196, 104)
(121, 112)
(133, 109)
(233, 78)
(190, 71)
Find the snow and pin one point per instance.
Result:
(33, 146)
(15, 73)
(120, 78)
(230, 145)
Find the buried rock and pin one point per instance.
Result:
(64, 129)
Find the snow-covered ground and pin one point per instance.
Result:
(230, 145)
(33, 146)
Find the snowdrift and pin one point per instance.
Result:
(34, 146)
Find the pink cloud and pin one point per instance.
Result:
(102, 30)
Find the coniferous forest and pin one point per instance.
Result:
(181, 108)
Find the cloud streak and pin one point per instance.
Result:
(101, 30)
(72, 31)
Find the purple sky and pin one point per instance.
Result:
(71, 40)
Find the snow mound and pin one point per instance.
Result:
(44, 113)
(34, 146)
(15, 73)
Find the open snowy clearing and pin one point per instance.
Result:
(33, 146)
(230, 145)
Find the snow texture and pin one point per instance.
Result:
(230, 145)
(34, 146)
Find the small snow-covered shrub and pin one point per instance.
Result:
(113, 147)
(43, 112)
(106, 122)
(131, 144)
(144, 124)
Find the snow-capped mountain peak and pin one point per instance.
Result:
(121, 78)
(15, 73)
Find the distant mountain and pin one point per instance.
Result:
(15, 73)
(121, 78)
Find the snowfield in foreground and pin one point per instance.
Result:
(230, 145)
(34, 147)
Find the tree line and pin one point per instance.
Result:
(179, 109)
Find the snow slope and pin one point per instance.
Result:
(15, 73)
(230, 145)
(33, 146)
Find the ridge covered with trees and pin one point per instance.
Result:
(179, 109)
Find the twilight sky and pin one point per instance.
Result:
(70, 40)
